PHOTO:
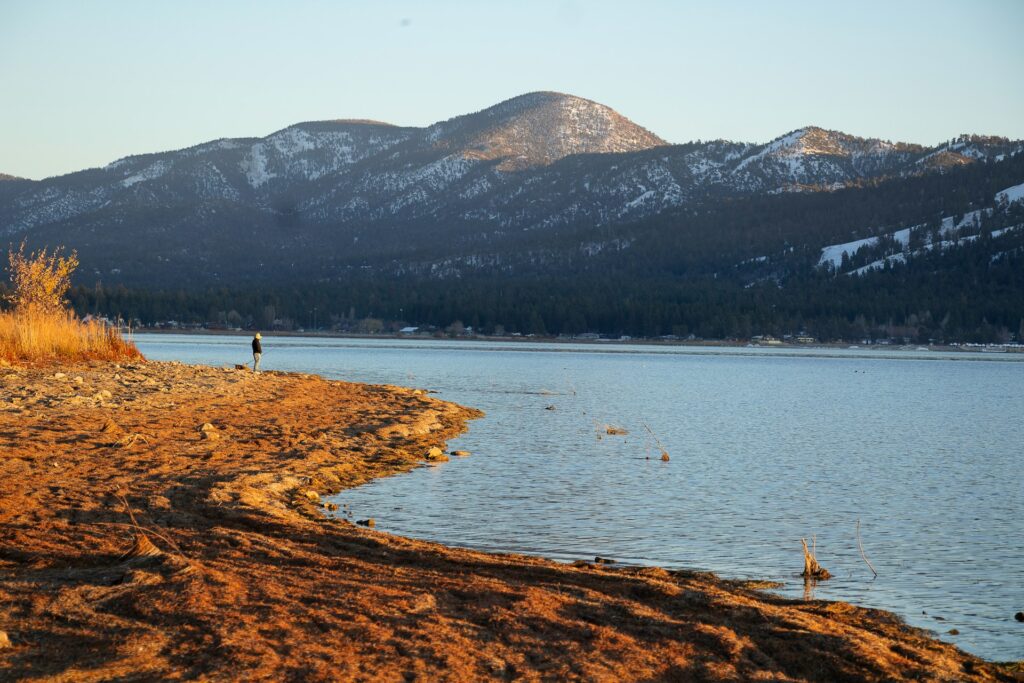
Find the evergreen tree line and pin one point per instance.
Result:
(961, 294)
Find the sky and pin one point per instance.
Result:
(85, 83)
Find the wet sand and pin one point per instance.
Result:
(248, 579)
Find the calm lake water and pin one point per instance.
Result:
(767, 446)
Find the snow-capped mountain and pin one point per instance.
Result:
(535, 162)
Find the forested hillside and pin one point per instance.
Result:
(732, 269)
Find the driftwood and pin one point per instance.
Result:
(860, 546)
(141, 548)
(813, 570)
(664, 452)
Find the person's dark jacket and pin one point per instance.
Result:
(256, 348)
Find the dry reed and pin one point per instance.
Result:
(36, 336)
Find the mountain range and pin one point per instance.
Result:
(318, 199)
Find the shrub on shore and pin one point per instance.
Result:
(39, 327)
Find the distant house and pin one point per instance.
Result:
(408, 330)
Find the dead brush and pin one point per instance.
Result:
(39, 328)
(36, 336)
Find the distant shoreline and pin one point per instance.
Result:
(939, 348)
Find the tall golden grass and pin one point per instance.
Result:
(35, 336)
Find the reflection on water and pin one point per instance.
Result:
(767, 447)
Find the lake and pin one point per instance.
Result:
(767, 446)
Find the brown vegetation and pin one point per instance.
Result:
(132, 547)
(39, 328)
(38, 337)
(40, 280)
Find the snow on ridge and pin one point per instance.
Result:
(154, 170)
(1011, 194)
(775, 145)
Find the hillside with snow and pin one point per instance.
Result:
(331, 196)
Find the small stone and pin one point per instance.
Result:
(423, 603)
(5, 640)
(60, 375)
(953, 632)
(1019, 616)
(603, 560)
(664, 457)
(331, 506)
(103, 395)
(550, 408)
(371, 522)
(435, 454)
(78, 379)
(460, 454)
(311, 495)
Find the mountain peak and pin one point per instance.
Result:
(539, 128)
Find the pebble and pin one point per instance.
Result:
(5, 640)
(435, 454)
(371, 522)
(1019, 616)
(664, 457)
(60, 375)
(460, 454)
(953, 632)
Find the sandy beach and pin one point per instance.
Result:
(161, 521)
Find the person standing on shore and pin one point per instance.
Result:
(257, 352)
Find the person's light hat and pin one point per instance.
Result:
(259, 336)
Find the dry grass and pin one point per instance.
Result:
(38, 337)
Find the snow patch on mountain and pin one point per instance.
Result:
(1011, 194)
(151, 172)
(785, 142)
(255, 166)
(833, 254)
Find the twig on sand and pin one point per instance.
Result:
(142, 546)
(860, 546)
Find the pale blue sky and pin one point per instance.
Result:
(83, 83)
